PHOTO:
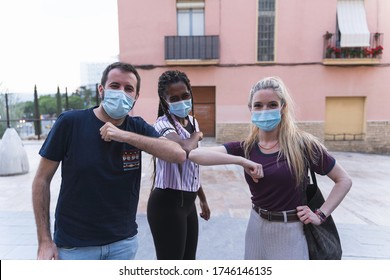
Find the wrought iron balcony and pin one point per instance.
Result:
(192, 48)
(334, 54)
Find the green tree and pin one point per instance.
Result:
(37, 114)
(66, 99)
(2, 107)
(58, 102)
(3, 117)
(28, 109)
(24, 110)
(87, 95)
(15, 112)
(76, 102)
(47, 105)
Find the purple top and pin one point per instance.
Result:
(277, 190)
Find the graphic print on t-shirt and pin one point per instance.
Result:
(131, 159)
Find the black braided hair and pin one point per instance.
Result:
(166, 79)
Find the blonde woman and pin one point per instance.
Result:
(171, 211)
(275, 227)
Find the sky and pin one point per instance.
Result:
(43, 42)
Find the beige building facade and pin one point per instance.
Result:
(331, 54)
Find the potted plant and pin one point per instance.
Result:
(377, 51)
(328, 35)
(367, 52)
(329, 51)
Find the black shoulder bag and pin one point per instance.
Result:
(323, 240)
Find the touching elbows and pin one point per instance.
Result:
(177, 155)
(169, 151)
(181, 156)
(194, 156)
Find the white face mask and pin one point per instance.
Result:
(117, 103)
(181, 108)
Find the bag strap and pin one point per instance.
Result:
(305, 186)
(313, 177)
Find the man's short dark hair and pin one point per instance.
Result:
(125, 67)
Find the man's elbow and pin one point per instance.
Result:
(174, 153)
(179, 156)
(177, 153)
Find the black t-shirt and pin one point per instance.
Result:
(100, 184)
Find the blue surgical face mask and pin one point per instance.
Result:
(266, 120)
(181, 108)
(117, 103)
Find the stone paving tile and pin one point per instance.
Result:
(362, 218)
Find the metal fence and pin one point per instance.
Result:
(26, 128)
(34, 125)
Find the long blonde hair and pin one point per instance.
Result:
(297, 146)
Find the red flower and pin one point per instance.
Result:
(377, 50)
(336, 50)
(367, 52)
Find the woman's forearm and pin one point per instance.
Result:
(342, 186)
(219, 156)
(207, 156)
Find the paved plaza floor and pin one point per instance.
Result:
(362, 218)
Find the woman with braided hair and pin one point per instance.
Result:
(171, 207)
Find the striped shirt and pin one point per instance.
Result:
(176, 176)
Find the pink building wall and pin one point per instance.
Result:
(300, 25)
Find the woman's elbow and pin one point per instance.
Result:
(347, 183)
(193, 155)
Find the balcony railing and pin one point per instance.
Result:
(333, 51)
(192, 48)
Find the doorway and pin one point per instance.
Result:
(204, 107)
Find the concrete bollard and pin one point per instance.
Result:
(13, 157)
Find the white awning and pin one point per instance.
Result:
(351, 16)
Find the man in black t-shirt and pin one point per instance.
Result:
(100, 152)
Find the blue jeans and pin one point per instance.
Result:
(121, 250)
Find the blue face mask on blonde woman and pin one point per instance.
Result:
(266, 120)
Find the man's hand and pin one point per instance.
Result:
(110, 132)
(47, 251)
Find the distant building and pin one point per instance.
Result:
(91, 73)
(331, 54)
